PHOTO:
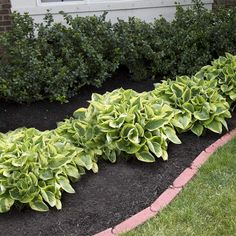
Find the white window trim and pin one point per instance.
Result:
(102, 2)
(40, 3)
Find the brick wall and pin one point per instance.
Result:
(5, 11)
(227, 3)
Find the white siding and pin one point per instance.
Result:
(147, 10)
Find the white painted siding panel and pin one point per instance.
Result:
(147, 10)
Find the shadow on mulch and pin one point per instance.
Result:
(105, 199)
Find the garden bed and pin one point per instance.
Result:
(118, 190)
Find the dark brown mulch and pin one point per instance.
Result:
(102, 200)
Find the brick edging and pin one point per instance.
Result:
(170, 193)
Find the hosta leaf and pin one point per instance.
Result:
(5, 204)
(34, 179)
(72, 171)
(187, 95)
(177, 89)
(80, 113)
(15, 194)
(223, 122)
(82, 170)
(58, 161)
(149, 111)
(43, 160)
(155, 148)
(133, 136)
(2, 189)
(58, 204)
(137, 102)
(182, 121)
(89, 133)
(95, 167)
(215, 126)
(189, 107)
(128, 147)
(80, 127)
(7, 173)
(225, 88)
(97, 105)
(49, 197)
(97, 97)
(201, 115)
(227, 114)
(140, 129)
(52, 149)
(164, 155)
(197, 129)
(112, 157)
(232, 95)
(38, 205)
(19, 162)
(118, 122)
(145, 156)
(130, 117)
(219, 110)
(155, 124)
(126, 129)
(171, 135)
(65, 184)
(46, 174)
(84, 160)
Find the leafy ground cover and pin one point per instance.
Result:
(207, 206)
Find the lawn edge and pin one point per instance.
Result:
(171, 192)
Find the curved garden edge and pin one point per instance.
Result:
(170, 193)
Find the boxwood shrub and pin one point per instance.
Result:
(53, 61)
(58, 60)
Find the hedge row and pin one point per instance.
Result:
(53, 61)
(35, 167)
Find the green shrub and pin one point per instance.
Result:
(134, 39)
(21, 69)
(164, 60)
(93, 38)
(53, 61)
(195, 37)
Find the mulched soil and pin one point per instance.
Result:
(105, 199)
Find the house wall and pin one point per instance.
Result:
(147, 10)
(227, 3)
(5, 11)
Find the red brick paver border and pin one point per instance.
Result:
(133, 221)
(169, 194)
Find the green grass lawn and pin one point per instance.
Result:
(207, 206)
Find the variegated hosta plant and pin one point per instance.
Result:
(82, 132)
(200, 104)
(36, 166)
(123, 121)
(223, 71)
